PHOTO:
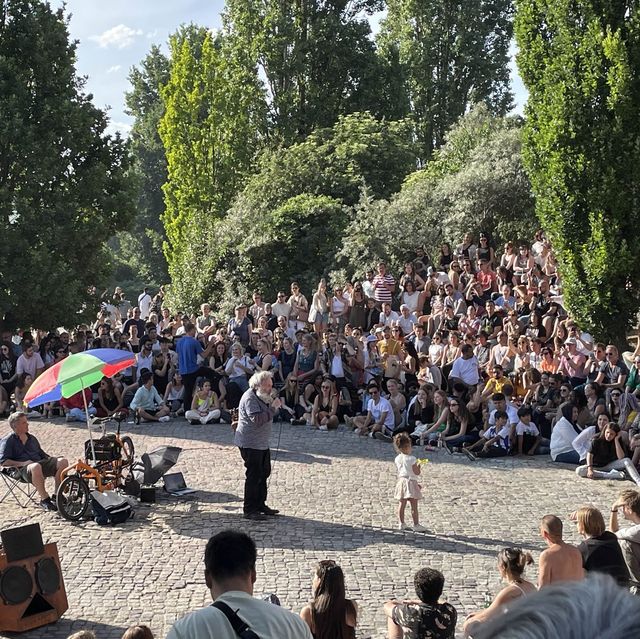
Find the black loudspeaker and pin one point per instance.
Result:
(32, 590)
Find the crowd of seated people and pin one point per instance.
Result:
(604, 568)
(440, 350)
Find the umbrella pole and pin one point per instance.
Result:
(86, 412)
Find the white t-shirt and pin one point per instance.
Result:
(527, 429)
(411, 300)
(512, 415)
(29, 365)
(387, 320)
(143, 362)
(265, 619)
(466, 370)
(232, 367)
(337, 369)
(582, 443)
(406, 323)
(144, 304)
(404, 464)
(562, 437)
(630, 533)
(503, 436)
(383, 406)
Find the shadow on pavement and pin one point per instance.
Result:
(296, 533)
(68, 626)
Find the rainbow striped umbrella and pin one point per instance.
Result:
(77, 372)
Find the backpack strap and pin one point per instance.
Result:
(240, 626)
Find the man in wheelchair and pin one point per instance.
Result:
(21, 453)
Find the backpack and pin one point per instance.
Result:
(110, 508)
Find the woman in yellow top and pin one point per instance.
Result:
(205, 407)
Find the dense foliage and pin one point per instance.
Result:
(138, 255)
(294, 208)
(317, 59)
(64, 184)
(475, 182)
(452, 55)
(580, 62)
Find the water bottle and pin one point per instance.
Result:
(440, 444)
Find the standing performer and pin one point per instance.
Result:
(255, 419)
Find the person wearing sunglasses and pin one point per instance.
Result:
(613, 371)
(379, 417)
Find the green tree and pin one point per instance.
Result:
(580, 61)
(453, 55)
(267, 252)
(138, 253)
(337, 161)
(211, 129)
(64, 184)
(317, 59)
(310, 184)
(475, 182)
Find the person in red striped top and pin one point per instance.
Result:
(384, 285)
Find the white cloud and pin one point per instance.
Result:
(119, 36)
(114, 69)
(123, 128)
(152, 34)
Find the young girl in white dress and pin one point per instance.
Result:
(407, 487)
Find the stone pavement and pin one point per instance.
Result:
(335, 492)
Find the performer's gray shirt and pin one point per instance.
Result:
(255, 419)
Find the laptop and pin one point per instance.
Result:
(174, 484)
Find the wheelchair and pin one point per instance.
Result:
(106, 465)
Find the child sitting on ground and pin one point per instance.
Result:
(494, 442)
(527, 432)
(407, 487)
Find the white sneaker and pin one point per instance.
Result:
(322, 427)
(402, 526)
(616, 474)
(166, 418)
(419, 528)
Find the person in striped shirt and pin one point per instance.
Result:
(384, 285)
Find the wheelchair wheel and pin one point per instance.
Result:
(73, 498)
(128, 450)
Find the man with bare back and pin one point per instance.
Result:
(560, 561)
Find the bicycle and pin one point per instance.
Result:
(106, 464)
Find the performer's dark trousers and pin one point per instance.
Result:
(258, 465)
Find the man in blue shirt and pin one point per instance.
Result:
(188, 349)
(22, 453)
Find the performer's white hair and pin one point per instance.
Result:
(257, 378)
(594, 607)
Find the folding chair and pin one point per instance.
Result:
(21, 491)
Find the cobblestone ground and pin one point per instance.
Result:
(335, 492)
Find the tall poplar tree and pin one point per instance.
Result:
(580, 60)
(140, 257)
(452, 55)
(64, 184)
(317, 60)
(212, 128)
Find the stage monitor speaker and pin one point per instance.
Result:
(20, 543)
(32, 590)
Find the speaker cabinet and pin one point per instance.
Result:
(32, 591)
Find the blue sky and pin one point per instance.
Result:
(115, 35)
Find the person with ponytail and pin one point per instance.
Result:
(330, 615)
(511, 565)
